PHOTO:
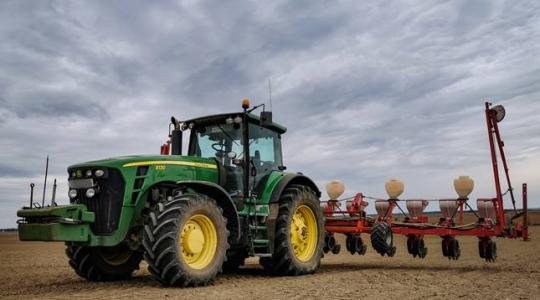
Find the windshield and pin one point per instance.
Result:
(224, 142)
(221, 141)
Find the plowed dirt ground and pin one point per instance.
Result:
(35, 270)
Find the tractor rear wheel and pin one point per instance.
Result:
(103, 263)
(185, 240)
(299, 238)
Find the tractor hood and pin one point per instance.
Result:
(154, 168)
(149, 160)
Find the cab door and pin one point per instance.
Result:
(265, 156)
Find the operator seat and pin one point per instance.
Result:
(257, 160)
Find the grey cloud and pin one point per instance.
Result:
(55, 104)
(10, 171)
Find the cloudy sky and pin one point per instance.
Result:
(368, 89)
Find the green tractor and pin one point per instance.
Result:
(189, 216)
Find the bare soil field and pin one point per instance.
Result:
(34, 270)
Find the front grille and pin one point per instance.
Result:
(106, 204)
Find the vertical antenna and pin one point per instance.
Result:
(270, 92)
(53, 200)
(32, 185)
(45, 183)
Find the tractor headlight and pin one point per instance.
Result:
(72, 194)
(90, 193)
(88, 173)
(99, 173)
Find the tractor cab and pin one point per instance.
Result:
(230, 139)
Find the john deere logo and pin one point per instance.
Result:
(79, 173)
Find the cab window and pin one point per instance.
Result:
(264, 148)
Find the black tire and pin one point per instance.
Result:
(382, 239)
(349, 243)
(355, 244)
(364, 248)
(326, 248)
(329, 241)
(421, 248)
(235, 259)
(283, 261)
(491, 250)
(454, 251)
(445, 246)
(163, 250)
(336, 249)
(358, 245)
(482, 244)
(104, 263)
(412, 245)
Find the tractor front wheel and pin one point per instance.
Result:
(185, 240)
(299, 237)
(103, 263)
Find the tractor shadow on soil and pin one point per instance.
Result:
(254, 271)
(341, 267)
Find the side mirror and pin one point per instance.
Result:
(175, 123)
(266, 118)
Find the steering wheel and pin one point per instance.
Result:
(216, 145)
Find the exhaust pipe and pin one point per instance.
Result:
(176, 138)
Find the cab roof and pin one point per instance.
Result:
(220, 118)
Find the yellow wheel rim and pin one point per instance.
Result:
(198, 241)
(304, 233)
